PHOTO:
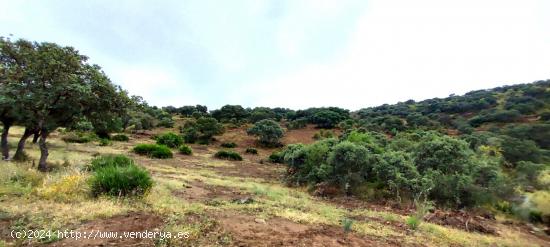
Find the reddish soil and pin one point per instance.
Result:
(304, 135)
(132, 222)
(463, 221)
(247, 230)
(197, 191)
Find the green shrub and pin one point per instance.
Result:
(201, 130)
(120, 138)
(170, 139)
(184, 149)
(104, 142)
(277, 157)
(268, 131)
(153, 150)
(323, 134)
(297, 124)
(121, 181)
(109, 160)
(346, 224)
(79, 137)
(228, 155)
(413, 222)
(251, 151)
(229, 145)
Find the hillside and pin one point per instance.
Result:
(218, 202)
(83, 157)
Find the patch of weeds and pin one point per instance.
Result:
(347, 224)
(228, 155)
(228, 145)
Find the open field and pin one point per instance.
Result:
(217, 202)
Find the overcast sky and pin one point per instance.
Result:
(296, 53)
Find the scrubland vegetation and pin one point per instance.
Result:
(471, 170)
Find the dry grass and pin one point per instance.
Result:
(60, 199)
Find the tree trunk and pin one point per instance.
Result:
(42, 166)
(20, 152)
(4, 142)
(36, 136)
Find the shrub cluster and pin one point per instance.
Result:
(169, 139)
(228, 145)
(121, 181)
(268, 132)
(109, 160)
(228, 155)
(184, 149)
(153, 150)
(79, 137)
(201, 130)
(441, 167)
(251, 151)
(120, 138)
(118, 175)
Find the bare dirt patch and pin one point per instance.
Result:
(246, 230)
(197, 191)
(463, 221)
(131, 222)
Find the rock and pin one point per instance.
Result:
(258, 220)
(245, 200)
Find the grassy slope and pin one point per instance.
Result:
(59, 200)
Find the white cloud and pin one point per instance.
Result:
(421, 49)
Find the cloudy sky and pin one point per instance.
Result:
(296, 53)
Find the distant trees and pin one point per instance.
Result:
(268, 131)
(230, 113)
(202, 130)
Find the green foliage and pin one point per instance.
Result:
(170, 139)
(268, 131)
(109, 160)
(399, 173)
(276, 157)
(326, 119)
(230, 114)
(153, 151)
(104, 142)
(120, 138)
(297, 124)
(347, 224)
(323, 134)
(228, 155)
(128, 180)
(79, 137)
(184, 149)
(515, 150)
(251, 151)
(202, 130)
(229, 145)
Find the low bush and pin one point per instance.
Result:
(228, 155)
(120, 138)
(251, 151)
(79, 137)
(229, 145)
(68, 188)
(153, 150)
(121, 181)
(169, 139)
(277, 157)
(104, 142)
(109, 160)
(322, 134)
(184, 149)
